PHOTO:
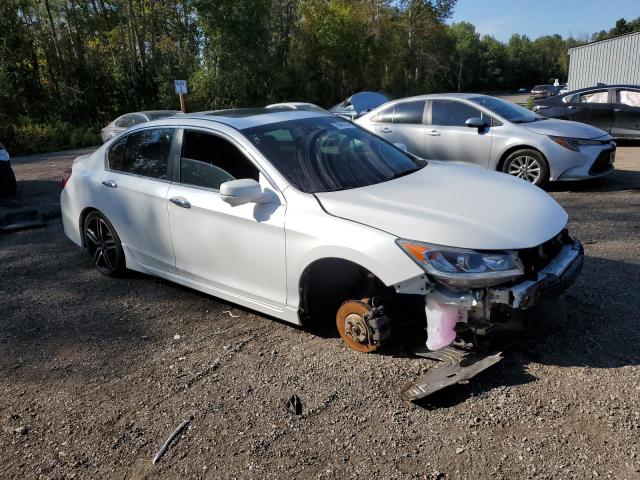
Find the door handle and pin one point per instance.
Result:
(618, 110)
(434, 133)
(109, 183)
(181, 202)
(571, 107)
(386, 130)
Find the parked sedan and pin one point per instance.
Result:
(130, 119)
(494, 134)
(612, 108)
(307, 217)
(7, 178)
(544, 91)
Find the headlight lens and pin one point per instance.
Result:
(459, 267)
(573, 143)
(4, 155)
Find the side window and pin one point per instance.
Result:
(629, 97)
(600, 96)
(409, 112)
(143, 153)
(116, 154)
(451, 113)
(385, 116)
(208, 161)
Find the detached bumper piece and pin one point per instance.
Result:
(459, 365)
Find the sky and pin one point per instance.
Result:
(535, 18)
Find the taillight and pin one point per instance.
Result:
(65, 177)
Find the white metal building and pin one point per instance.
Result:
(612, 61)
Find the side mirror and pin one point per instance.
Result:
(239, 192)
(401, 146)
(476, 122)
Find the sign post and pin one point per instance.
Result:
(181, 90)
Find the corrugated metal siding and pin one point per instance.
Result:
(616, 60)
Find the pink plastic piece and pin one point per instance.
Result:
(441, 324)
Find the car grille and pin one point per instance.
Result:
(602, 163)
(536, 258)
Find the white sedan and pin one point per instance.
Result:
(306, 217)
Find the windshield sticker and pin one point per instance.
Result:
(343, 125)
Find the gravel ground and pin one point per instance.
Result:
(96, 373)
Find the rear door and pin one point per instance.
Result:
(594, 107)
(134, 186)
(626, 120)
(448, 138)
(409, 127)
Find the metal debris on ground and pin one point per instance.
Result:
(294, 405)
(166, 444)
(231, 314)
(452, 372)
(21, 220)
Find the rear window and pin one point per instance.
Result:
(409, 112)
(144, 153)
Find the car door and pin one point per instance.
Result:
(626, 119)
(448, 138)
(238, 250)
(593, 107)
(134, 195)
(403, 124)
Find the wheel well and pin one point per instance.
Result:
(83, 215)
(326, 283)
(510, 150)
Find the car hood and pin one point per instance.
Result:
(564, 128)
(454, 205)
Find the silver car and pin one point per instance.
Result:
(494, 134)
(130, 119)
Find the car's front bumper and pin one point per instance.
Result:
(591, 162)
(552, 280)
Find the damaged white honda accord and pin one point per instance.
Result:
(309, 218)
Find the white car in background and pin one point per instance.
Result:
(128, 120)
(307, 217)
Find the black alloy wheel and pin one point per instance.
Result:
(102, 242)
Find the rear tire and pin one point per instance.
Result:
(528, 164)
(103, 243)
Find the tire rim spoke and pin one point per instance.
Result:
(91, 235)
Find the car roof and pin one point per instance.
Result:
(603, 87)
(438, 96)
(241, 118)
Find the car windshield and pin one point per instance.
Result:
(326, 154)
(507, 110)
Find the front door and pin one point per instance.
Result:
(626, 121)
(134, 195)
(239, 251)
(448, 138)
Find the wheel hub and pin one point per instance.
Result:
(351, 320)
(356, 328)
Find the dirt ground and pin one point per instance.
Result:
(95, 373)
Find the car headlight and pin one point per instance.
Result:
(458, 267)
(573, 143)
(4, 155)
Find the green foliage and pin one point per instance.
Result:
(27, 137)
(530, 103)
(85, 62)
